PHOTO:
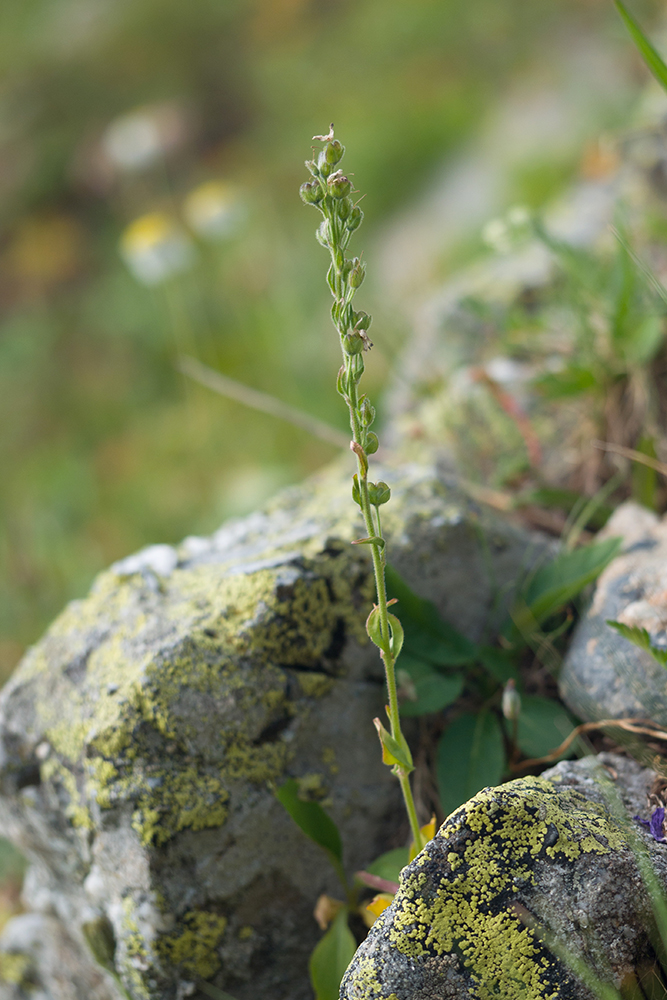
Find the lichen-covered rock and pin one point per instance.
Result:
(604, 676)
(548, 846)
(141, 739)
(35, 943)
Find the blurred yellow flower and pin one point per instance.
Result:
(214, 210)
(154, 247)
(377, 905)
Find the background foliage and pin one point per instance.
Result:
(104, 446)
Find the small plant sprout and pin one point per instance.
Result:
(331, 191)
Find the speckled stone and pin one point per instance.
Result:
(604, 676)
(548, 846)
(141, 739)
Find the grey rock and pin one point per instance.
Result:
(604, 676)
(553, 849)
(142, 738)
(36, 948)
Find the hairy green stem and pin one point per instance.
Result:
(330, 192)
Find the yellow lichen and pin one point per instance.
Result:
(52, 770)
(194, 949)
(460, 915)
(15, 968)
(314, 685)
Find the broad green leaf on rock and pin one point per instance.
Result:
(652, 59)
(558, 581)
(470, 756)
(312, 819)
(641, 638)
(331, 957)
(543, 725)
(390, 864)
(434, 689)
(499, 663)
(426, 634)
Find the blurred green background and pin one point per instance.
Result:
(195, 118)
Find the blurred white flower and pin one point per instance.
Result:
(139, 138)
(496, 236)
(214, 210)
(507, 233)
(154, 247)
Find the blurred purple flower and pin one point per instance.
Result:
(655, 825)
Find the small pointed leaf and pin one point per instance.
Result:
(394, 753)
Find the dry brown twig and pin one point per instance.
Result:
(639, 727)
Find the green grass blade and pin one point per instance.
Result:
(652, 59)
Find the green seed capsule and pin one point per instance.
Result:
(344, 207)
(333, 151)
(353, 343)
(339, 185)
(310, 192)
(322, 165)
(372, 445)
(357, 273)
(361, 320)
(354, 220)
(378, 493)
(367, 413)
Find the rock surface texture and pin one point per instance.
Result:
(545, 846)
(141, 740)
(604, 675)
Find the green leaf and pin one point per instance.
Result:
(373, 627)
(470, 756)
(499, 663)
(434, 690)
(557, 582)
(643, 340)
(331, 957)
(311, 818)
(570, 381)
(567, 500)
(427, 636)
(397, 636)
(543, 725)
(651, 57)
(641, 638)
(389, 865)
(644, 479)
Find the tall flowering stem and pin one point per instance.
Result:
(331, 192)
